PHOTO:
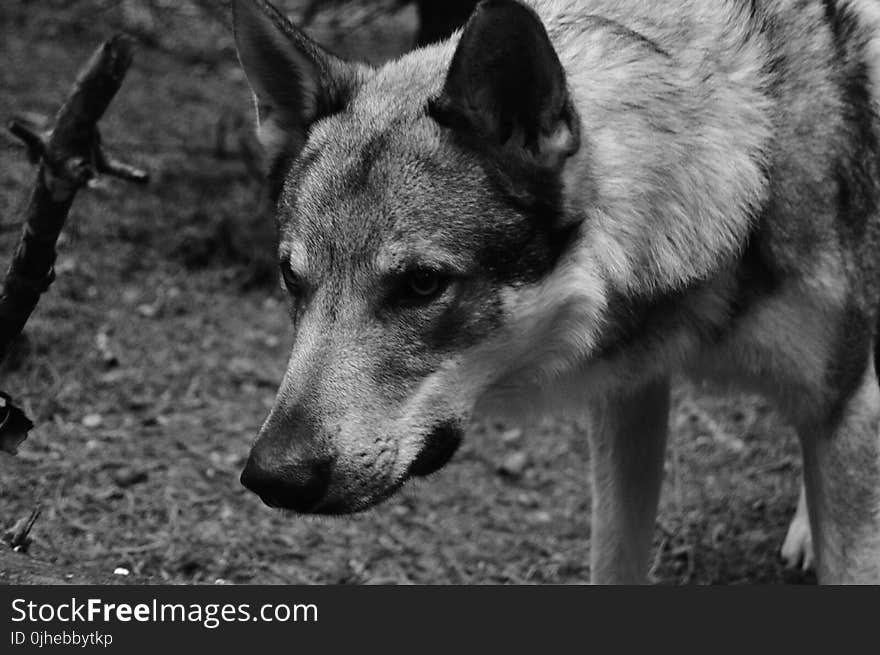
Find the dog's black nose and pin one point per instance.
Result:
(300, 487)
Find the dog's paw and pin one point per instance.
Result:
(797, 549)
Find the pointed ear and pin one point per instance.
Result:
(295, 82)
(506, 87)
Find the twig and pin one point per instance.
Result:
(70, 154)
(18, 535)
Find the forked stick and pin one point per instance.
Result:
(70, 154)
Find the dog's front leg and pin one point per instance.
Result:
(797, 549)
(627, 444)
(842, 477)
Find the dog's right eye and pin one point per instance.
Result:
(292, 281)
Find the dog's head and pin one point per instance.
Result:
(419, 209)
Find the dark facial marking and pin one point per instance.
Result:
(439, 448)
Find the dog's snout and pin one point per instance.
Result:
(299, 487)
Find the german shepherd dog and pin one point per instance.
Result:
(556, 209)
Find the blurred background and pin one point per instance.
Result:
(150, 364)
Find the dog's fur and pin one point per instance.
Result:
(594, 195)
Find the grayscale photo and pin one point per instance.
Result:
(413, 292)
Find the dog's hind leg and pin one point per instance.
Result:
(797, 549)
(842, 477)
(627, 444)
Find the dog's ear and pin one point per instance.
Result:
(507, 85)
(295, 82)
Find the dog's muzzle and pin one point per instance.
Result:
(301, 481)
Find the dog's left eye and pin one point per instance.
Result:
(424, 284)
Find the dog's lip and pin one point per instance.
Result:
(438, 450)
(341, 507)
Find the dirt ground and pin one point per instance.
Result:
(153, 359)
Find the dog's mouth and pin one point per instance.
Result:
(439, 448)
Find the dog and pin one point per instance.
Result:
(555, 210)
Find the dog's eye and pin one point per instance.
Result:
(425, 284)
(292, 282)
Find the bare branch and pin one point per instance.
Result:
(108, 165)
(18, 536)
(34, 141)
(70, 154)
